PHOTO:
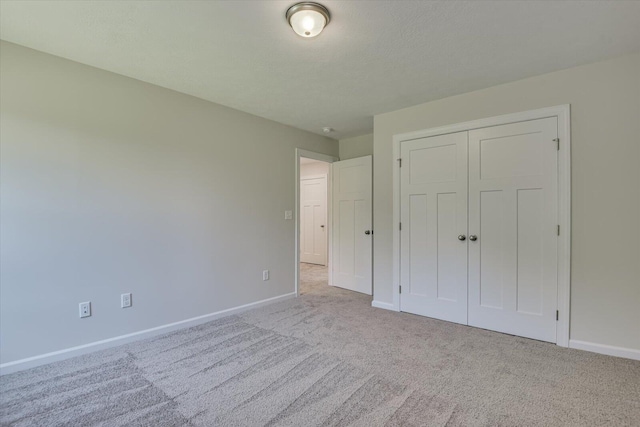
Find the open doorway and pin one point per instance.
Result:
(314, 224)
(313, 220)
(334, 243)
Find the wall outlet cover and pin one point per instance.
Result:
(85, 309)
(125, 300)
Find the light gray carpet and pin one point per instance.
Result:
(328, 359)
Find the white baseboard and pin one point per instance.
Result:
(43, 359)
(609, 350)
(383, 305)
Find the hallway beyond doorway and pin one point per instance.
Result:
(312, 276)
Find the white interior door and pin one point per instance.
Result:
(513, 193)
(313, 220)
(433, 188)
(352, 234)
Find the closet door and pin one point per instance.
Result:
(433, 180)
(513, 193)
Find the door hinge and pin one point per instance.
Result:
(558, 230)
(400, 289)
(399, 163)
(557, 141)
(400, 227)
(557, 315)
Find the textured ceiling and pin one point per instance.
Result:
(374, 56)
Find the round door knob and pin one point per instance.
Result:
(367, 232)
(322, 226)
(473, 237)
(462, 237)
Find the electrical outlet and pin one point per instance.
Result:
(265, 275)
(85, 309)
(288, 214)
(125, 300)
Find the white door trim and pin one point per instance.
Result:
(323, 158)
(562, 113)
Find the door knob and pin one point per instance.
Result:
(462, 237)
(473, 237)
(367, 232)
(322, 226)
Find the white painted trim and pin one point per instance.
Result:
(563, 114)
(383, 305)
(609, 350)
(396, 223)
(487, 122)
(54, 356)
(323, 158)
(564, 220)
(329, 224)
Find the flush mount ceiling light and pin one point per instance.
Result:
(308, 19)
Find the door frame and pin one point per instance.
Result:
(326, 203)
(563, 115)
(299, 152)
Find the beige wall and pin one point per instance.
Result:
(357, 146)
(314, 168)
(111, 185)
(605, 126)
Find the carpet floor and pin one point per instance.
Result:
(327, 359)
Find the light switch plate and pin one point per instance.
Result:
(288, 214)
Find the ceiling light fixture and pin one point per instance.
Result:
(308, 19)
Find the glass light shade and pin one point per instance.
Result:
(307, 23)
(308, 19)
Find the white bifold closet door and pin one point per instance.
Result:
(479, 228)
(434, 213)
(513, 210)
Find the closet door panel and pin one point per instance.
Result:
(513, 195)
(434, 213)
